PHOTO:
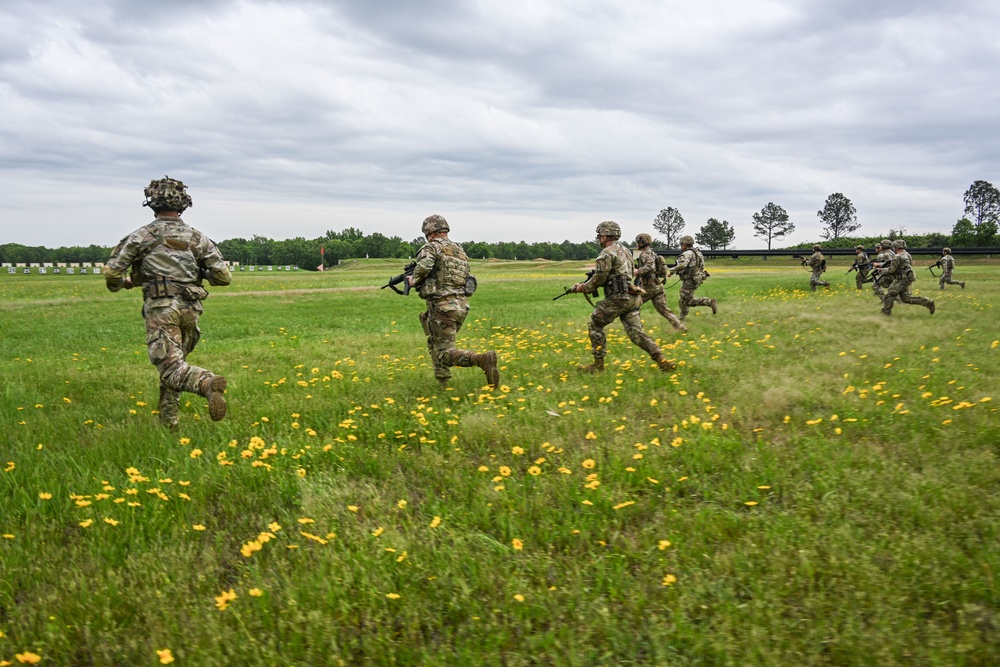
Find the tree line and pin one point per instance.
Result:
(978, 228)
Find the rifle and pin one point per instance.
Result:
(569, 290)
(931, 268)
(856, 267)
(401, 278)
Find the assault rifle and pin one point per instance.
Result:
(937, 264)
(569, 290)
(401, 278)
(858, 267)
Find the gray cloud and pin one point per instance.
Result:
(528, 120)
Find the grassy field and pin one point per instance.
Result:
(816, 484)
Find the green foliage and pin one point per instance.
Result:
(772, 223)
(839, 217)
(815, 485)
(982, 206)
(670, 223)
(715, 234)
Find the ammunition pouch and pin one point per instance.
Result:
(160, 287)
(616, 285)
(470, 285)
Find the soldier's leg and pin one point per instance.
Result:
(444, 326)
(602, 316)
(633, 329)
(906, 296)
(441, 372)
(168, 351)
(945, 278)
(660, 303)
(859, 280)
(694, 301)
(684, 300)
(891, 294)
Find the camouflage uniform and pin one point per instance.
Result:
(691, 269)
(442, 268)
(815, 262)
(901, 271)
(882, 281)
(613, 272)
(649, 281)
(947, 266)
(170, 273)
(862, 264)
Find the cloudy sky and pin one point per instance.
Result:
(516, 120)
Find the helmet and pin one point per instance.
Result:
(687, 239)
(898, 243)
(167, 194)
(886, 243)
(609, 228)
(946, 251)
(859, 247)
(816, 248)
(434, 223)
(643, 240)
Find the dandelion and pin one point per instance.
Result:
(223, 600)
(255, 592)
(184, 441)
(750, 503)
(28, 658)
(517, 450)
(352, 508)
(624, 504)
(534, 470)
(663, 544)
(588, 463)
(45, 496)
(435, 522)
(668, 580)
(505, 471)
(166, 657)
(517, 544)
(401, 504)
(519, 597)
(111, 521)
(301, 472)
(590, 436)
(393, 596)
(763, 487)
(195, 453)
(677, 442)
(378, 531)
(304, 520)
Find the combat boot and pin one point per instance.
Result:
(930, 307)
(214, 388)
(488, 362)
(665, 364)
(714, 305)
(596, 367)
(962, 285)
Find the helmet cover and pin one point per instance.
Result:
(167, 194)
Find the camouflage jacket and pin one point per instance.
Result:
(645, 264)
(861, 262)
(690, 265)
(612, 270)
(442, 267)
(815, 261)
(168, 248)
(947, 263)
(900, 268)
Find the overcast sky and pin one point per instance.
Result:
(516, 120)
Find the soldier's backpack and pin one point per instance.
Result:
(661, 268)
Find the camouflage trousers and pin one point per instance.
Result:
(817, 279)
(627, 309)
(901, 289)
(441, 322)
(171, 335)
(879, 284)
(659, 298)
(859, 279)
(688, 299)
(945, 279)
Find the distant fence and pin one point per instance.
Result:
(829, 252)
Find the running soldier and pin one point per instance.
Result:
(690, 267)
(861, 265)
(613, 271)
(881, 281)
(947, 264)
(651, 270)
(442, 279)
(901, 271)
(169, 260)
(816, 262)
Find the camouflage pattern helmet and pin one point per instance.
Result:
(167, 194)
(687, 239)
(886, 243)
(898, 243)
(609, 228)
(946, 251)
(434, 223)
(816, 248)
(643, 240)
(859, 247)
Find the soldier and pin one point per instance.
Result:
(169, 260)
(901, 270)
(861, 265)
(442, 279)
(879, 281)
(690, 267)
(613, 271)
(947, 264)
(650, 271)
(817, 262)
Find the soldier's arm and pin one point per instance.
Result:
(213, 262)
(121, 259)
(425, 264)
(647, 264)
(683, 260)
(602, 269)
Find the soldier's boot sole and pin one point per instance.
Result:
(488, 362)
(714, 305)
(215, 393)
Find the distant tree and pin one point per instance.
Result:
(982, 207)
(963, 234)
(669, 222)
(838, 216)
(772, 223)
(935, 240)
(715, 234)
